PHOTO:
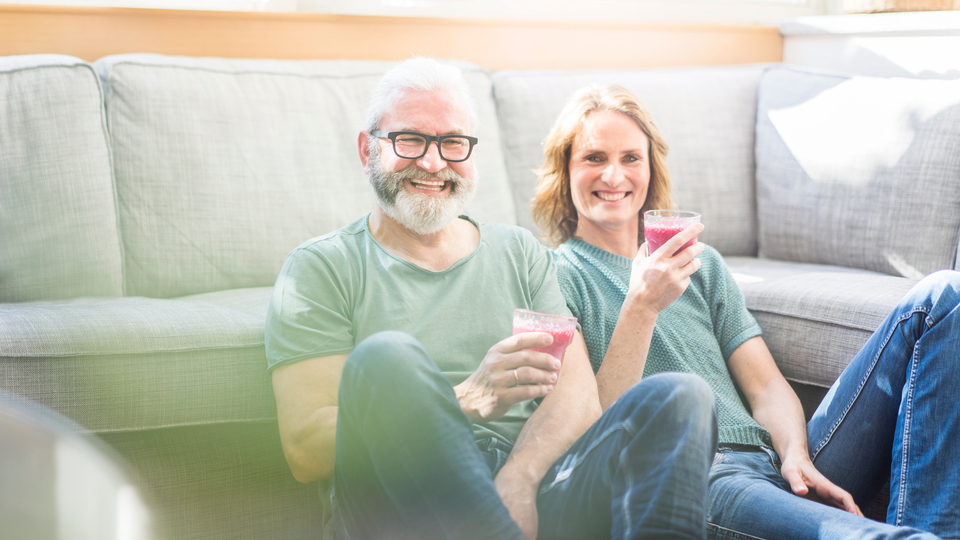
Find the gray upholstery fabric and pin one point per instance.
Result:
(792, 302)
(140, 363)
(57, 207)
(859, 172)
(707, 118)
(224, 166)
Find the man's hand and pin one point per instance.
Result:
(520, 498)
(508, 374)
(806, 481)
(661, 277)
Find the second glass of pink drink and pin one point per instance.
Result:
(662, 225)
(561, 327)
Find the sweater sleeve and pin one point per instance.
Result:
(732, 323)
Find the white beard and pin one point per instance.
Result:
(420, 213)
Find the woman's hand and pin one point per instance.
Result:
(660, 278)
(509, 373)
(806, 481)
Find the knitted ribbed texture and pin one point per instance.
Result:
(695, 334)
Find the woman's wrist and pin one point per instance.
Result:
(635, 307)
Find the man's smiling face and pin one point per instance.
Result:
(426, 193)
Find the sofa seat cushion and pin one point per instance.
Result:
(139, 363)
(224, 166)
(859, 171)
(815, 318)
(706, 114)
(58, 212)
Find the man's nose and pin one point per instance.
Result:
(431, 161)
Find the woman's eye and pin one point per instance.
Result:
(594, 159)
(631, 159)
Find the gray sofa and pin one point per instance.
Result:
(148, 202)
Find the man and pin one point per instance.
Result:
(395, 372)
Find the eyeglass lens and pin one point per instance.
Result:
(412, 146)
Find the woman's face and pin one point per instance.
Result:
(609, 175)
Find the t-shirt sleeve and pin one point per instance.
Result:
(732, 323)
(569, 290)
(309, 313)
(545, 290)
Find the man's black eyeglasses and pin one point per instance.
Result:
(413, 145)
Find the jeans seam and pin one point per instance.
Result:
(907, 428)
(862, 383)
(628, 473)
(738, 534)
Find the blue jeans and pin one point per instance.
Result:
(407, 465)
(892, 413)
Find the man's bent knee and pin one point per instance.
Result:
(390, 356)
(684, 396)
(693, 398)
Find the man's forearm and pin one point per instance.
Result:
(310, 450)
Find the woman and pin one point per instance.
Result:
(774, 476)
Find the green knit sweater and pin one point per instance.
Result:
(696, 334)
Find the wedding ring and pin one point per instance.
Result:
(517, 377)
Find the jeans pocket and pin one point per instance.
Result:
(774, 459)
(495, 453)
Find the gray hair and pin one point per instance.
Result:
(420, 74)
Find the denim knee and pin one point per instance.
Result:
(685, 391)
(686, 396)
(940, 289)
(392, 357)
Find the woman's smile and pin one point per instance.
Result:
(612, 196)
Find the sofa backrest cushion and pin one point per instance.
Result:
(58, 212)
(224, 166)
(707, 116)
(858, 171)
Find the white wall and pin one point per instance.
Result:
(214, 5)
(679, 11)
(922, 45)
(697, 11)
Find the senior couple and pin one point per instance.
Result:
(396, 374)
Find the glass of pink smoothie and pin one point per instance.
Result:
(561, 327)
(661, 225)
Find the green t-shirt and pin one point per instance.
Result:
(696, 334)
(337, 289)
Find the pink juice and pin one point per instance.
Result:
(562, 335)
(657, 235)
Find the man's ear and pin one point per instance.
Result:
(363, 146)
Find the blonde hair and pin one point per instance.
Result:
(552, 206)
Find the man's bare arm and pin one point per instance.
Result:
(306, 394)
(565, 414)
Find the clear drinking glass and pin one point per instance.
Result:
(561, 327)
(661, 225)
